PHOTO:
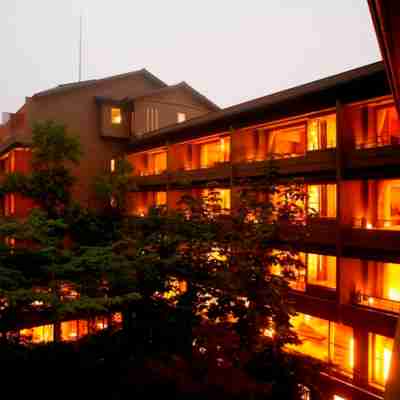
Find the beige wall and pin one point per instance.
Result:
(168, 104)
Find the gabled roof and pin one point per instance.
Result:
(182, 85)
(225, 117)
(78, 85)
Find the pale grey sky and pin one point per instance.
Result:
(230, 50)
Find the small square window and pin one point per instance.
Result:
(116, 117)
(181, 117)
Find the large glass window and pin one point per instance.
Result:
(73, 330)
(214, 152)
(321, 133)
(287, 142)
(221, 198)
(296, 274)
(38, 334)
(160, 199)
(380, 354)
(322, 200)
(321, 270)
(325, 340)
(387, 126)
(341, 347)
(157, 162)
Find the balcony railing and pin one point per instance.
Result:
(393, 139)
(379, 303)
(386, 224)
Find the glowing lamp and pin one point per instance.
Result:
(369, 225)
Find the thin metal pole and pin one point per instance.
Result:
(80, 48)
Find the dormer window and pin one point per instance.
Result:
(181, 117)
(116, 117)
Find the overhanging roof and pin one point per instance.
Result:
(386, 18)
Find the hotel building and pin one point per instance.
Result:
(341, 135)
(105, 114)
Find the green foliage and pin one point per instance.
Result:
(53, 146)
(50, 182)
(113, 187)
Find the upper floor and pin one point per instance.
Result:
(306, 145)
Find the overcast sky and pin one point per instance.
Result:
(230, 50)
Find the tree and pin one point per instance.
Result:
(113, 187)
(50, 181)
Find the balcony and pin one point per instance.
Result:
(378, 303)
(316, 162)
(380, 160)
(217, 172)
(371, 240)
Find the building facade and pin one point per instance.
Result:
(105, 114)
(341, 136)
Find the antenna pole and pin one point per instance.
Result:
(80, 48)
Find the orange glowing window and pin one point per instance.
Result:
(38, 334)
(100, 323)
(296, 274)
(117, 318)
(314, 335)
(391, 281)
(387, 126)
(157, 162)
(112, 165)
(321, 133)
(214, 152)
(220, 198)
(116, 116)
(321, 270)
(341, 347)
(322, 200)
(73, 330)
(325, 340)
(380, 354)
(161, 198)
(287, 142)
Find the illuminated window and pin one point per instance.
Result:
(181, 117)
(314, 335)
(12, 204)
(322, 200)
(321, 133)
(341, 347)
(112, 165)
(388, 204)
(337, 397)
(391, 281)
(220, 198)
(116, 116)
(326, 341)
(387, 126)
(287, 142)
(380, 354)
(100, 323)
(73, 330)
(296, 274)
(305, 392)
(214, 152)
(38, 334)
(161, 199)
(321, 270)
(158, 162)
